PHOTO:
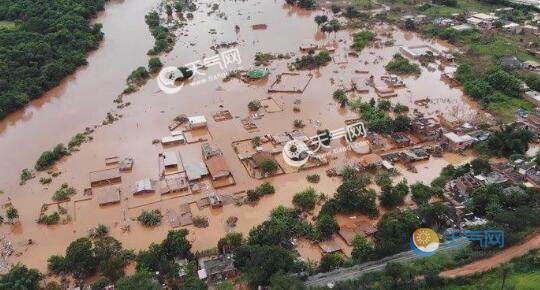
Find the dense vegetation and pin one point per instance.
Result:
(507, 141)
(48, 41)
(401, 65)
(313, 61)
(361, 39)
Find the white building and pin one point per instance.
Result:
(197, 122)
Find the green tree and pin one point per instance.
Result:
(138, 281)
(363, 249)
(12, 214)
(154, 64)
(268, 166)
(394, 230)
(260, 263)
(80, 258)
(331, 261)
(326, 226)
(280, 281)
(421, 193)
(176, 244)
(305, 200)
(320, 19)
(150, 218)
(20, 278)
(230, 242)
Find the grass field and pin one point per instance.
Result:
(7, 25)
(493, 280)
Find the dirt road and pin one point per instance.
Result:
(531, 243)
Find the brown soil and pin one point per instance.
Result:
(531, 243)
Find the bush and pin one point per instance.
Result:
(265, 188)
(254, 105)
(154, 64)
(363, 249)
(401, 65)
(313, 178)
(331, 261)
(269, 166)
(57, 264)
(200, 221)
(49, 158)
(138, 76)
(150, 218)
(51, 219)
(101, 231)
(313, 61)
(305, 200)
(421, 193)
(361, 39)
(63, 193)
(298, 124)
(326, 225)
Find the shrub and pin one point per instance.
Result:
(313, 178)
(361, 39)
(101, 230)
(265, 188)
(49, 158)
(150, 218)
(63, 193)
(254, 105)
(305, 200)
(154, 64)
(298, 124)
(313, 61)
(331, 261)
(26, 175)
(269, 166)
(51, 219)
(200, 221)
(401, 65)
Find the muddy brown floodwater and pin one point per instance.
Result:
(84, 99)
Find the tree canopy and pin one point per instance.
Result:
(49, 41)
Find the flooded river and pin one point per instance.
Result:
(84, 99)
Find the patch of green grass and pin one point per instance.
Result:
(7, 25)
(364, 4)
(506, 110)
(493, 280)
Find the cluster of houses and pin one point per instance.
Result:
(510, 175)
(481, 21)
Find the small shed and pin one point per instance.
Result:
(197, 122)
(196, 171)
(100, 177)
(170, 159)
(145, 185)
(109, 195)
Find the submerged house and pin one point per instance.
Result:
(427, 129)
(458, 142)
(196, 122)
(217, 268)
(217, 167)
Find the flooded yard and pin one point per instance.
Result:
(84, 99)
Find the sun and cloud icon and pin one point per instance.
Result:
(424, 242)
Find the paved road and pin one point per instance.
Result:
(342, 274)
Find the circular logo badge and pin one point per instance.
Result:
(295, 153)
(166, 80)
(424, 242)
